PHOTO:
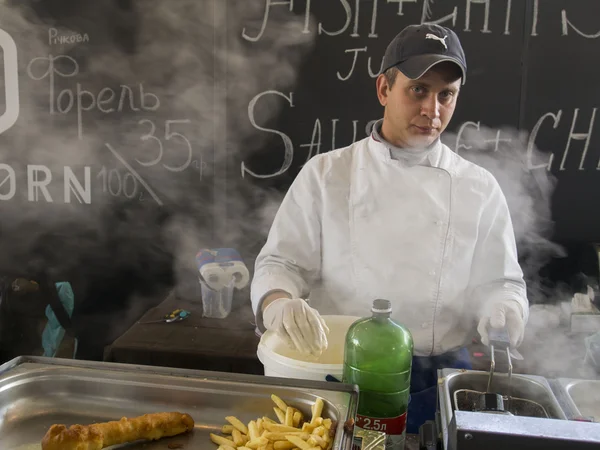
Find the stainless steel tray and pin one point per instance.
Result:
(582, 397)
(36, 392)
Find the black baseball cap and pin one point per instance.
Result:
(417, 48)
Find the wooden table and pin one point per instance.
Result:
(224, 345)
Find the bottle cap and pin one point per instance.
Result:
(381, 306)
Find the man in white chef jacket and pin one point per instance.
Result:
(398, 216)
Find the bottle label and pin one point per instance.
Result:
(393, 427)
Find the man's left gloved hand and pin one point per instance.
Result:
(503, 313)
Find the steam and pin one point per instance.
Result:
(504, 153)
(187, 61)
(134, 67)
(547, 347)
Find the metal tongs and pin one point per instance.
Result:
(490, 401)
(499, 339)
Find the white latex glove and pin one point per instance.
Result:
(499, 314)
(299, 325)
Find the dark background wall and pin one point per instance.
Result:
(193, 117)
(527, 112)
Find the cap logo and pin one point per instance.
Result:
(437, 38)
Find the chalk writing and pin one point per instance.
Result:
(72, 185)
(268, 5)
(64, 66)
(357, 12)
(427, 13)
(38, 179)
(116, 184)
(54, 38)
(8, 182)
(201, 166)
(306, 28)
(532, 139)
(349, 133)
(579, 137)
(372, 33)
(135, 174)
(348, 19)
(486, 19)
(351, 17)
(355, 51)
(168, 136)
(401, 4)
(566, 24)
(288, 153)
(11, 82)
(536, 12)
(372, 72)
(36, 184)
(477, 125)
(317, 143)
(573, 136)
(352, 12)
(317, 139)
(150, 136)
(507, 20)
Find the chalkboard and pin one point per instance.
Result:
(561, 99)
(135, 132)
(107, 142)
(531, 76)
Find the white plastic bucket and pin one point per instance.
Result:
(281, 361)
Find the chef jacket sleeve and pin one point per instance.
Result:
(291, 257)
(495, 273)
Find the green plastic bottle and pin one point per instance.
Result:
(378, 358)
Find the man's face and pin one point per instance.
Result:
(418, 111)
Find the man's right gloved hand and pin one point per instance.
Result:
(299, 325)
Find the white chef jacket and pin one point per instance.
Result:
(435, 239)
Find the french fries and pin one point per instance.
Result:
(297, 418)
(280, 403)
(289, 432)
(253, 433)
(239, 439)
(225, 447)
(235, 422)
(280, 414)
(317, 410)
(220, 440)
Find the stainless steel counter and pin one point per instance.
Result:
(38, 392)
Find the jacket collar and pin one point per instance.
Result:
(382, 149)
